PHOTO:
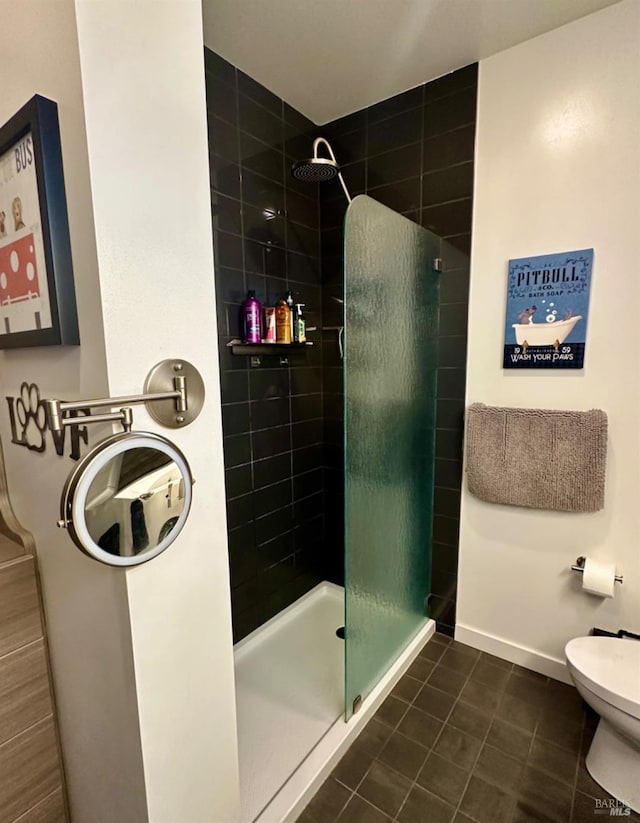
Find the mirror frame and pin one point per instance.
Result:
(76, 489)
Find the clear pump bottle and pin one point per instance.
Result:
(299, 325)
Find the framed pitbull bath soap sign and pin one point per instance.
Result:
(37, 297)
(547, 310)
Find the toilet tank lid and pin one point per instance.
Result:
(610, 662)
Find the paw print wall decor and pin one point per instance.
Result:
(31, 417)
(29, 426)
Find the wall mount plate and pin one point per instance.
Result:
(161, 379)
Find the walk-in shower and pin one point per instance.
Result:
(297, 680)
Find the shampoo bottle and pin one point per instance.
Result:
(252, 317)
(283, 322)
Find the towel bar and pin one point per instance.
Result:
(579, 567)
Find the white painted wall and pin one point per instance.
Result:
(143, 82)
(153, 739)
(558, 168)
(86, 604)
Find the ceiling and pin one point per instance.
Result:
(328, 58)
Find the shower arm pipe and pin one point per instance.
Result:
(326, 143)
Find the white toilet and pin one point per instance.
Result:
(606, 671)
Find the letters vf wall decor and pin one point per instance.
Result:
(29, 426)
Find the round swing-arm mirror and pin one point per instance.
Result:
(128, 499)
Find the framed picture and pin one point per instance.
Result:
(547, 311)
(37, 295)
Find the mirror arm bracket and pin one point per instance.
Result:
(185, 388)
(124, 416)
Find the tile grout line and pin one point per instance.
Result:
(534, 736)
(431, 749)
(435, 742)
(244, 273)
(529, 750)
(428, 749)
(514, 793)
(422, 149)
(577, 769)
(394, 729)
(482, 743)
(512, 671)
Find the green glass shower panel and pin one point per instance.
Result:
(391, 322)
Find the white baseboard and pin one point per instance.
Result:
(514, 653)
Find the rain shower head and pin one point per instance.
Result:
(315, 170)
(318, 169)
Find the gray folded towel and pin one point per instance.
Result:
(538, 458)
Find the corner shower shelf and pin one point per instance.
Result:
(278, 349)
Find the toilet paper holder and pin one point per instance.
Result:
(578, 566)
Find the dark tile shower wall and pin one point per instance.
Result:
(414, 153)
(266, 237)
(283, 425)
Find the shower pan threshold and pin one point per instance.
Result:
(290, 704)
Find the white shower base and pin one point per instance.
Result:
(290, 704)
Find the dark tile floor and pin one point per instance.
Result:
(467, 737)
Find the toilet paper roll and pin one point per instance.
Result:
(599, 577)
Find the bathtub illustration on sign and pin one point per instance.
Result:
(544, 334)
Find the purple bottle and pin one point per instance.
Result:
(252, 317)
